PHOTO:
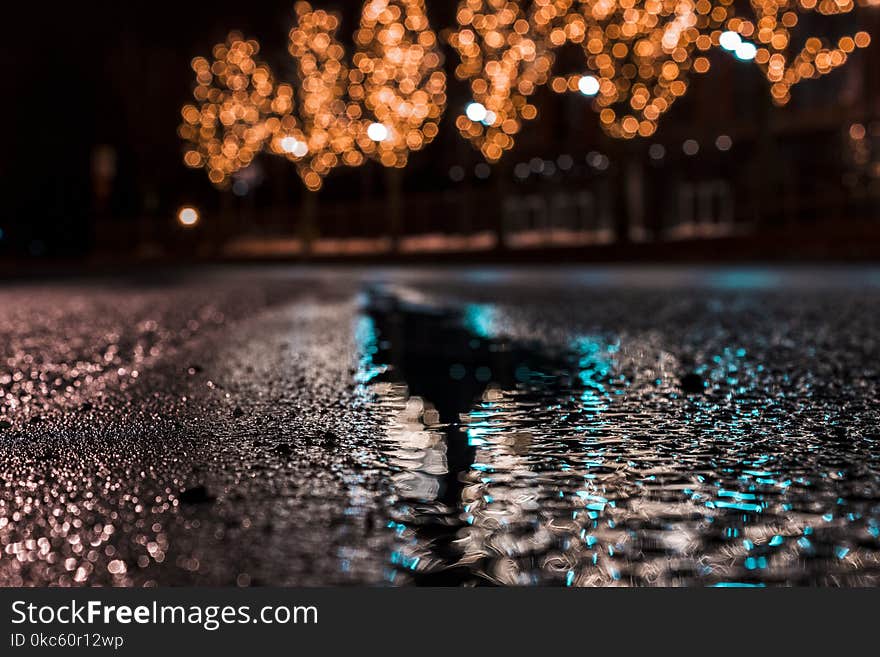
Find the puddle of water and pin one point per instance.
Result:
(519, 464)
(464, 410)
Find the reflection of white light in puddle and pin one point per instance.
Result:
(588, 85)
(746, 51)
(188, 217)
(294, 147)
(377, 132)
(730, 40)
(476, 112)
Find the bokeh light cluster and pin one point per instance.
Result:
(638, 56)
(387, 101)
(506, 64)
(400, 79)
(329, 121)
(385, 106)
(227, 126)
(774, 29)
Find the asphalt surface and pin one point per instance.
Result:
(577, 427)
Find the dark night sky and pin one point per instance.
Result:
(102, 72)
(80, 75)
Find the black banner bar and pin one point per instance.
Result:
(424, 621)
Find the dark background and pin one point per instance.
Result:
(103, 72)
(397, 620)
(81, 77)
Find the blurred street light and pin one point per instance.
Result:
(188, 216)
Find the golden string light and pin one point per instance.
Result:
(773, 31)
(387, 102)
(386, 107)
(398, 75)
(227, 127)
(505, 64)
(330, 121)
(638, 55)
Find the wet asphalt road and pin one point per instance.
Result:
(564, 427)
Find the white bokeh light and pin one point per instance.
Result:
(730, 40)
(588, 85)
(188, 216)
(746, 51)
(377, 132)
(476, 112)
(294, 146)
